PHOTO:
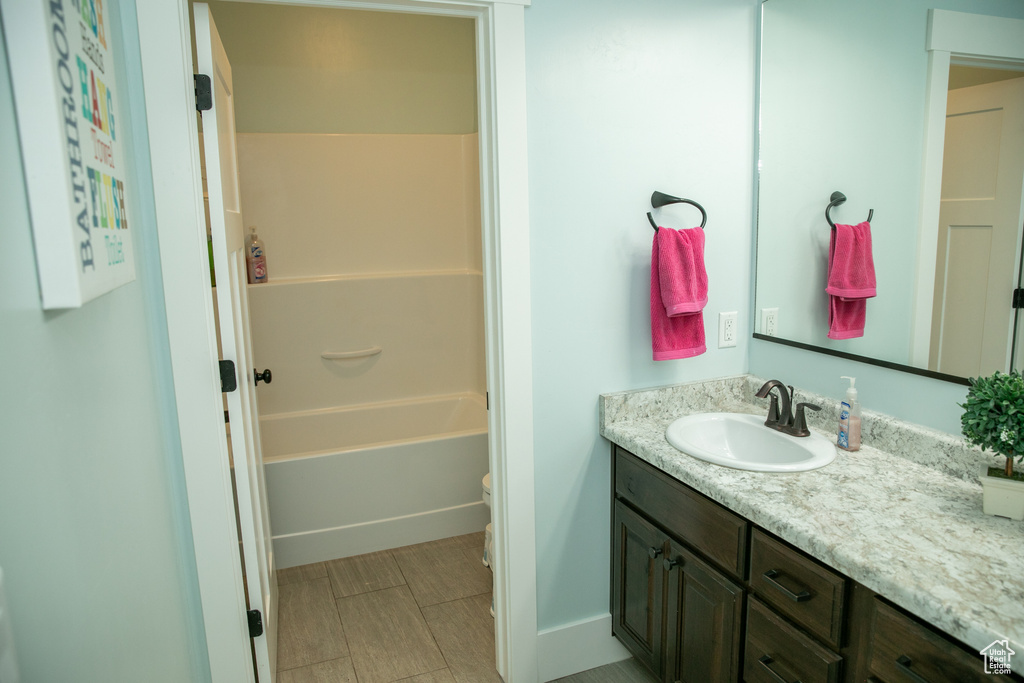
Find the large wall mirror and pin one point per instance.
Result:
(915, 112)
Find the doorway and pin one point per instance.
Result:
(979, 237)
(374, 433)
(164, 30)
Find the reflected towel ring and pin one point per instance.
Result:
(659, 199)
(836, 199)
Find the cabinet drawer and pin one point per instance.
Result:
(795, 585)
(777, 651)
(700, 522)
(903, 650)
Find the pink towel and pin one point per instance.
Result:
(851, 280)
(679, 291)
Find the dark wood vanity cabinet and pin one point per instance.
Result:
(676, 612)
(701, 595)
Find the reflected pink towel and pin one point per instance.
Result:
(679, 291)
(851, 280)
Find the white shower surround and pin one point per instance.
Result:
(375, 427)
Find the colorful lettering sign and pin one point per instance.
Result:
(62, 66)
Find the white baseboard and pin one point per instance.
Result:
(320, 545)
(576, 647)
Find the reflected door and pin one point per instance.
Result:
(979, 229)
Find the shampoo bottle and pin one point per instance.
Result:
(849, 419)
(255, 258)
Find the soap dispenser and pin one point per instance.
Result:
(849, 419)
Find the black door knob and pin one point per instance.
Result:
(266, 376)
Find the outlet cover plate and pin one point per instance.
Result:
(727, 329)
(770, 322)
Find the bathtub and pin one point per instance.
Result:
(353, 480)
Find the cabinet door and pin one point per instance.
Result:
(637, 586)
(704, 611)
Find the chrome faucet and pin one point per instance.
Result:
(782, 419)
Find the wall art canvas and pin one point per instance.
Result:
(69, 106)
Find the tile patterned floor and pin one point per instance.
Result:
(418, 614)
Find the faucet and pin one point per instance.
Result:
(783, 419)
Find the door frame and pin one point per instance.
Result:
(952, 36)
(167, 68)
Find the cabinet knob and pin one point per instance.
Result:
(266, 375)
(670, 564)
(653, 552)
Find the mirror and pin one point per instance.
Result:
(847, 100)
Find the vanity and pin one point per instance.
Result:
(877, 567)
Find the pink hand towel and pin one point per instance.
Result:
(851, 280)
(679, 291)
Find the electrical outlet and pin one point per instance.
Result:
(727, 329)
(769, 322)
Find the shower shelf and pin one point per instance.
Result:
(362, 353)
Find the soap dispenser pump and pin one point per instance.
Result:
(849, 418)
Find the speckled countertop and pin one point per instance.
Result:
(902, 515)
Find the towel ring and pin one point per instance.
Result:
(836, 199)
(659, 199)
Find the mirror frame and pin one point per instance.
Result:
(951, 37)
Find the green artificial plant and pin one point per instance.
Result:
(994, 416)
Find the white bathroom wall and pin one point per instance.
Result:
(623, 99)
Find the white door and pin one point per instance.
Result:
(233, 320)
(979, 229)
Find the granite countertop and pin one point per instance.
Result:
(902, 515)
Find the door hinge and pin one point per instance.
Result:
(255, 623)
(1018, 298)
(487, 400)
(204, 93)
(228, 380)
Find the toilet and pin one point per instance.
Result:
(489, 530)
(488, 533)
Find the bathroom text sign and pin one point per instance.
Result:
(61, 55)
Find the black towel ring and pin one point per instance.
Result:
(659, 199)
(836, 199)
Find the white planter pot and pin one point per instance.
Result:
(1002, 497)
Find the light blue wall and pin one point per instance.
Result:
(623, 98)
(94, 537)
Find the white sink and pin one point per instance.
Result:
(742, 441)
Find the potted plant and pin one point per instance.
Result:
(994, 419)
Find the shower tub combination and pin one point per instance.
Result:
(347, 481)
(374, 429)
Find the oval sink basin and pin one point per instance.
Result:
(742, 441)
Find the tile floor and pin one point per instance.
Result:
(418, 614)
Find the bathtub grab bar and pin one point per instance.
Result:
(362, 353)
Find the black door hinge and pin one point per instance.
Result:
(1018, 298)
(204, 93)
(228, 380)
(255, 623)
